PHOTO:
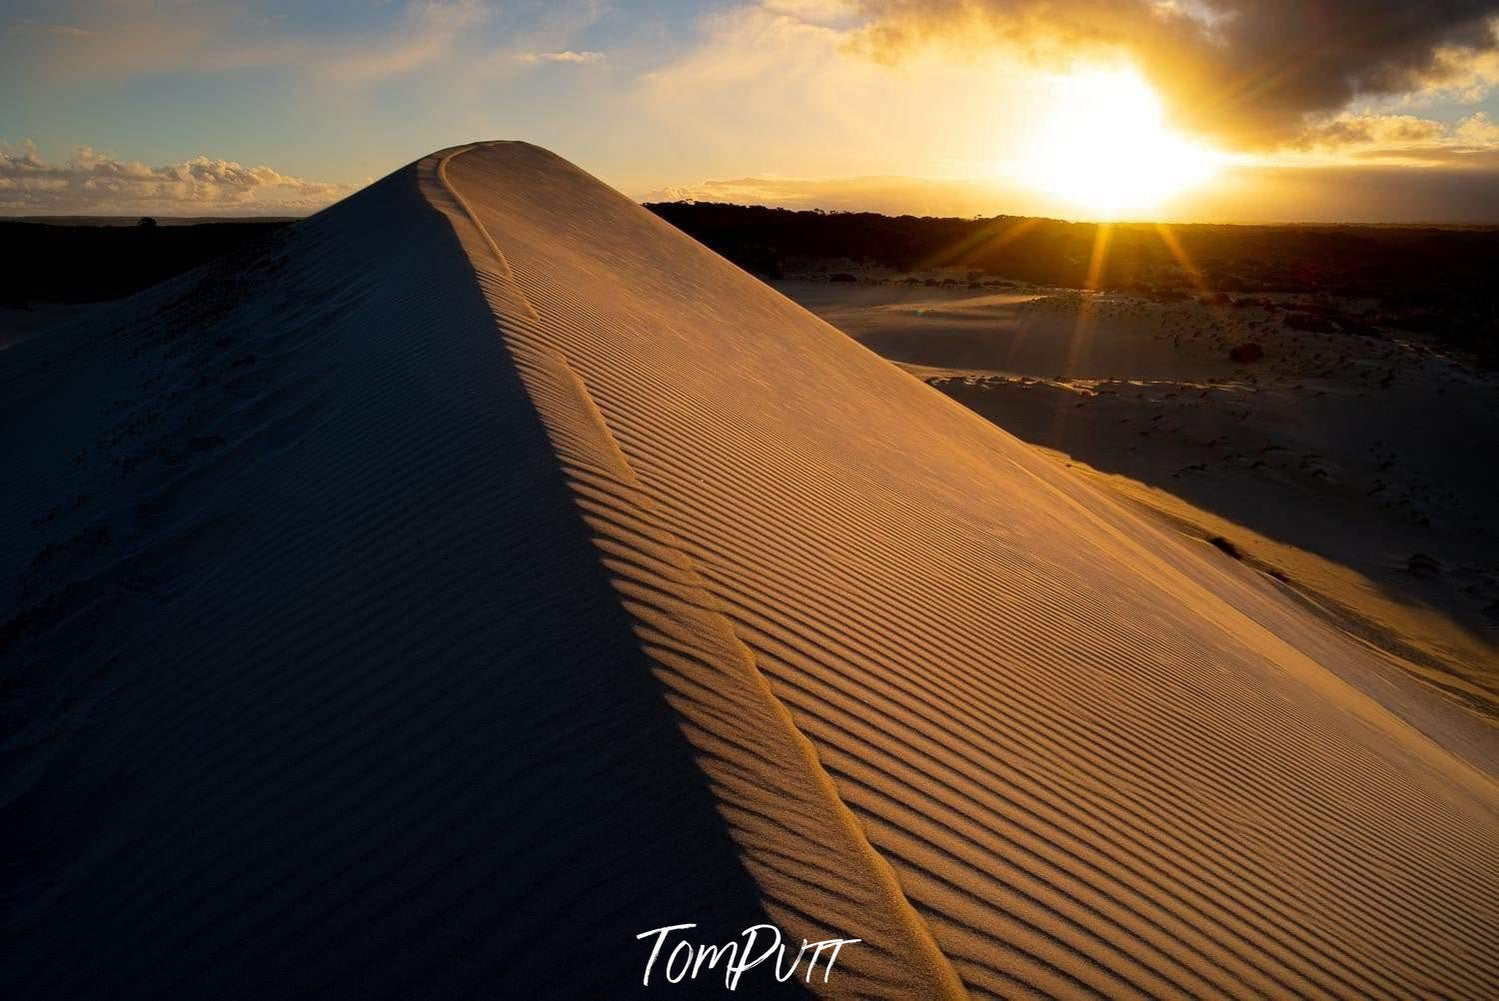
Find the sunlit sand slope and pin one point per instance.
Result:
(1098, 763)
(428, 603)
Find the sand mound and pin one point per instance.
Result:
(428, 603)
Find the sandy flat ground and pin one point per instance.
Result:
(428, 602)
(1360, 469)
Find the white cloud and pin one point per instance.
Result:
(1478, 130)
(91, 182)
(565, 56)
(1396, 138)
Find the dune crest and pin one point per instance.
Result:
(539, 577)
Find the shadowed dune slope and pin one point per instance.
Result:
(314, 686)
(428, 601)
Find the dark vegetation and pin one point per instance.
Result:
(1430, 280)
(1246, 353)
(48, 263)
(1437, 281)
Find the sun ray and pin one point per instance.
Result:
(1100, 256)
(1177, 251)
(1082, 331)
(1217, 316)
(987, 239)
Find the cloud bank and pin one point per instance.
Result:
(93, 183)
(1252, 72)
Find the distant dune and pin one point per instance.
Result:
(429, 600)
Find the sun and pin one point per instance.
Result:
(1105, 147)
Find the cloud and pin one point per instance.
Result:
(1250, 71)
(775, 86)
(952, 88)
(1373, 130)
(1397, 139)
(129, 38)
(1458, 74)
(1478, 131)
(565, 56)
(92, 183)
(820, 12)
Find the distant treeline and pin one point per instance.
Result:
(52, 263)
(1437, 279)
(1344, 260)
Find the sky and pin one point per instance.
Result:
(1174, 110)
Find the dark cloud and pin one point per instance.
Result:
(1253, 71)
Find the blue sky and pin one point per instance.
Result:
(336, 90)
(893, 105)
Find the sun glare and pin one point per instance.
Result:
(1106, 150)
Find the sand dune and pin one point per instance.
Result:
(429, 602)
(1330, 463)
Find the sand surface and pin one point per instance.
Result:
(1355, 468)
(19, 323)
(486, 573)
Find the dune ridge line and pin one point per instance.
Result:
(783, 809)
